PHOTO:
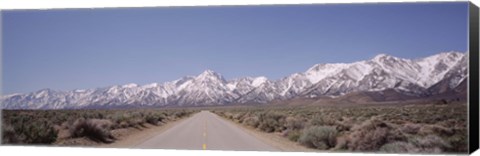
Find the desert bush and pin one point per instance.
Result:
(154, 119)
(238, 116)
(294, 123)
(9, 135)
(271, 122)
(322, 120)
(41, 132)
(136, 122)
(120, 120)
(436, 129)
(27, 130)
(151, 119)
(228, 115)
(371, 135)
(399, 147)
(410, 128)
(293, 135)
(320, 137)
(430, 144)
(458, 142)
(180, 114)
(251, 121)
(95, 129)
(345, 123)
(219, 113)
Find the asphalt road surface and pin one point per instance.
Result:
(206, 131)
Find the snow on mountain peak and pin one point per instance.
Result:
(79, 90)
(209, 74)
(43, 93)
(259, 81)
(151, 85)
(436, 66)
(442, 56)
(130, 85)
(383, 57)
(320, 71)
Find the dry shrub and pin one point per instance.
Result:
(42, 132)
(293, 135)
(399, 147)
(135, 122)
(228, 115)
(151, 120)
(345, 124)
(271, 122)
(411, 128)
(154, 119)
(8, 134)
(319, 137)
(219, 113)
(30, 131)
(120, 120)
(436, 129)
(180, 114)
(238, 116)
(251, 121)
(95, 129)
(322, 120)
(123, 124)
(430, 144)
(459, 141)
(371, 135)
(294, 123)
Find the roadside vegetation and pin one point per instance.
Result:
(375, 128)
(59, 127)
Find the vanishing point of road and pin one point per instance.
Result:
(206, 131)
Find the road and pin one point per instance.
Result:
(206, 131)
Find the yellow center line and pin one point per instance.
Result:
(204, 146)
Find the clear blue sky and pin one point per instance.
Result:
(90, 48)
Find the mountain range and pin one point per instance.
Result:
(418, 78)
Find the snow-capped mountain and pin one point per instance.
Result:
(388, 72)
(414, 77)
(207, 88)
